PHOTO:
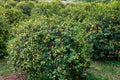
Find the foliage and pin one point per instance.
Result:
(10, 4)
(25, 7)
(14, 15)
(97, 1)
(54, 46)
(53, 40)
(2, 11)
(104, 30)
(47, 9)
(8, 17)
(74, 11)
(3, 36)
(26, 0)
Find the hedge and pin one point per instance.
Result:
(3, 36)
(25, 7)
(14, 16)
(104, 30)
(51, 46)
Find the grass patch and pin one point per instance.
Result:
(5, 69)
(104, 70)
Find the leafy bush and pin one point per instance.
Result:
(2, 11)
(104, 30)
(54, 46)
(10, 4)
(14, 15)
(25, 7)
(47, 9)
(74, 11)
(97, 1)
(69, 10)
(26, 0)
(3, 36)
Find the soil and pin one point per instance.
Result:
(1, 78)
(13, 77)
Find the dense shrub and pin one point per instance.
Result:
(97, 1)
(54, 46)
(10, 4)
(3, 33)
(26, 0)
(104, 21)
(47, 9)
(3, 36)
(74, 11)
(2, 11)
(25, 7)
(69, 10)
(14, 15)
(8, 17)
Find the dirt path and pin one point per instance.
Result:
(1, 78)
(13, 77)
